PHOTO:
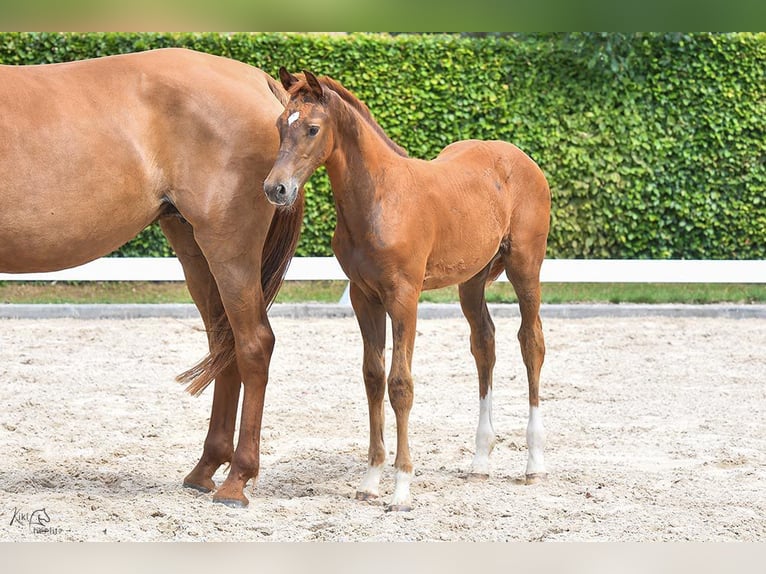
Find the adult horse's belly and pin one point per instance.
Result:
(58, 213)
(47, 248)
(77, 174)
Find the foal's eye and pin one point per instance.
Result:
(313, 130)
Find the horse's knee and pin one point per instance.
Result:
(374, 382)
(400, 392)
(373, 372)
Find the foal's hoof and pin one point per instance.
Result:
(398, 507)
(366, 496)
(477, 476)
(536, 478)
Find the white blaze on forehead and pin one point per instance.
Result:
(293, 116)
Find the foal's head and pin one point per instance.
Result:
(305, 137)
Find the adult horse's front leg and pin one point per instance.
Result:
(254, 344)
(219, 443)
(371, 317)
(402, 306)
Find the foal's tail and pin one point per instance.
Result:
(278, 251)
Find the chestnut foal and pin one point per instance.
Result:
(405, 225)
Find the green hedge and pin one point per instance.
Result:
(653, 144)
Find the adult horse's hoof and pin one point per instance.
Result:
(398, 507)
(536, 478)
(232, 502)
(231, 493)
(199, 487)
(200, 484)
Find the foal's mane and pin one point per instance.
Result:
(363, 111)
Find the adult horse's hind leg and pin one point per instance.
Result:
(219, 443)
(523, 269)
(474, 306)
(232, 239)
(371, 317)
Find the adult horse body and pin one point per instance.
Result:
(405, 225)
(91, 152)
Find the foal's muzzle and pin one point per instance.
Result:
(280, 193)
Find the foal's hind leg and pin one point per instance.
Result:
(523, 270)
(219, 443)
(402, 306)
(371, 317)
(474, 307)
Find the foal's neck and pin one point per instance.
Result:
(360, 159)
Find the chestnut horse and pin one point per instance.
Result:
(405, 225)
(91, 152)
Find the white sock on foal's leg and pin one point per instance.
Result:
(485, 437)
(401, 501)
(370, 486)
(535, 445)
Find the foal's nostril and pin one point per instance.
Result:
(281, 190)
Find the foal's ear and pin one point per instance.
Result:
(286, 77)
(316, 87)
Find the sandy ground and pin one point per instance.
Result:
(656, 431)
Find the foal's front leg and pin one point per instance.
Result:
(371, 317)
(403, 308)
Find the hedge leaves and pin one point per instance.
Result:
(653, 144)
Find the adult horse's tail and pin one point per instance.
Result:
(278, 251)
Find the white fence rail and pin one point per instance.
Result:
(327, 268)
